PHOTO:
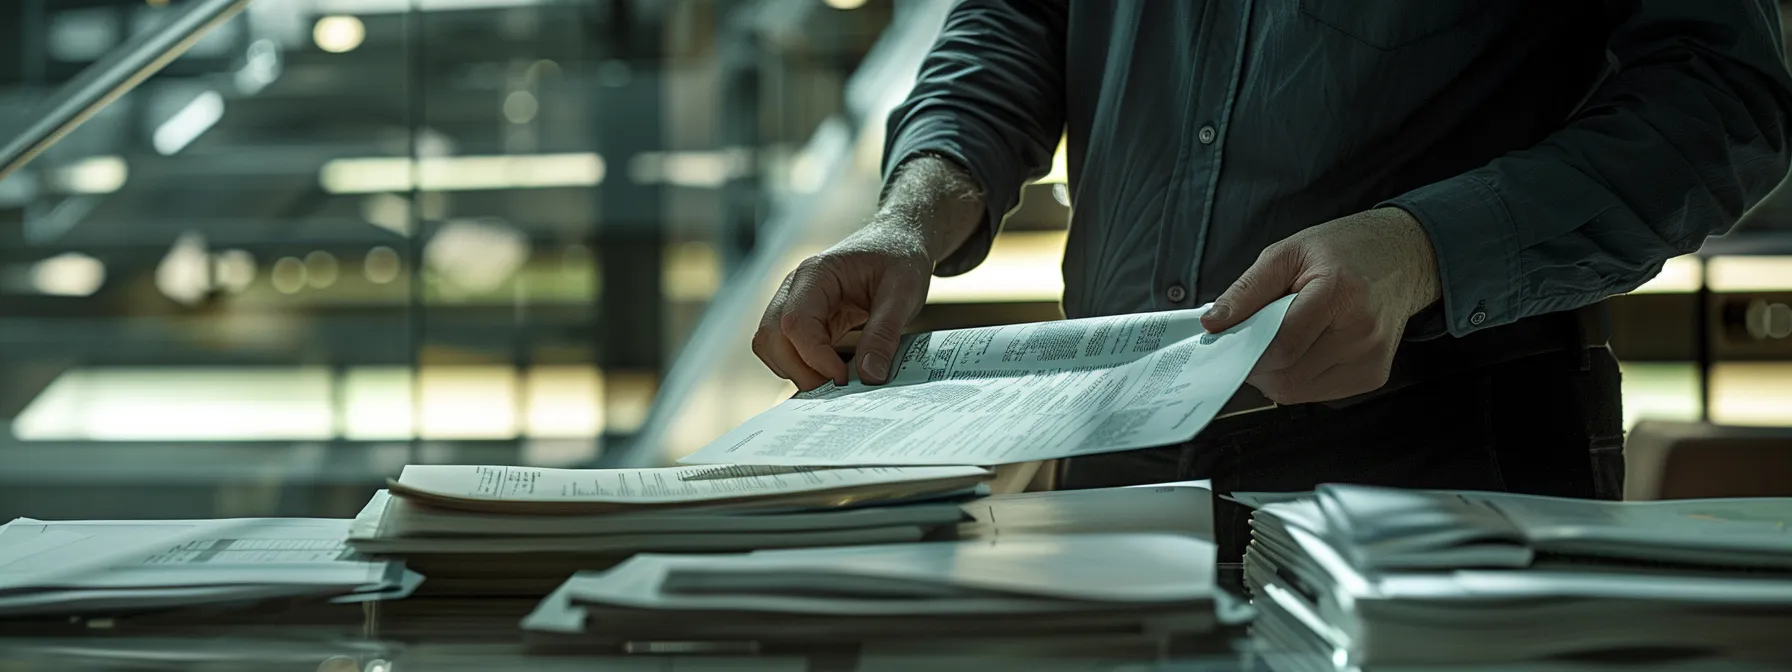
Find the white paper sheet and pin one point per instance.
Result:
(165, 554)
(1016, 393)
(652, 486)
(1015, 575)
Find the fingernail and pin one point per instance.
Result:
(877, 367)
(1219, 311)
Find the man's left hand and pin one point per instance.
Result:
(1360, 278)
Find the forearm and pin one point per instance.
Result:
(1688, 134)
(936, 200)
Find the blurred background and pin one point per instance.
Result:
(338, 236)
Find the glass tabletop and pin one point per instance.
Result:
(483, 634)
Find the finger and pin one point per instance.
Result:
(895, 303)
(808, 305)
(1265, 281)
(770, 330)
(763, 350)
(814, 346)
(792, 367)
(1308, 318)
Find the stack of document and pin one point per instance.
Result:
(110, 567)
(518, 530)
(1137, 584)
(1368, 576)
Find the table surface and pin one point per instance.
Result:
(482, 634)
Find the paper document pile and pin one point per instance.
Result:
(1146, 584)
(1376, 577)
(1016, 393)
(517, 530)
(109, 567)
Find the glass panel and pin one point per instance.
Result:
(337, 237)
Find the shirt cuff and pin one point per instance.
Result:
(1477, 250)
(934, 135)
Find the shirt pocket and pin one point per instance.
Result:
(1392, 24)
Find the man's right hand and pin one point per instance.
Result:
(877, 278)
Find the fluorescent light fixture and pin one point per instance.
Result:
(180, 404)
(1751, 393)
(1659, 391)
(93, 175)
(1679, 275)
(68, 274)
(314, 403)
(846, 4)
(688, 168)
(461, 173)
(186, 125)
(365, 7)
(1022, 266)
(338, 34)
(1750, 274)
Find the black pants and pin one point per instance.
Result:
(1547, 424)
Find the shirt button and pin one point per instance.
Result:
(1207, 134)
(1477, 318)
(1176, 293)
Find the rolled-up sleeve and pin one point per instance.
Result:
(989, 96)
(1686, 135)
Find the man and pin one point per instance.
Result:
(1451, 186)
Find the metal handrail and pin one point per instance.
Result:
(111, 77)
(883, 78)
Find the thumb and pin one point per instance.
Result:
(1264, 282)
(891, 309)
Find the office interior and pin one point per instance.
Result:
(336, 237)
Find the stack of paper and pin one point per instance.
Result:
(107, 567)
(516, 530)
(1148, 584)
(1376, 577)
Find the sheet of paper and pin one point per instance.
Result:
(142, 554)
(1166, 507)
(1016, 393)
(653, 486)
(1123, 567)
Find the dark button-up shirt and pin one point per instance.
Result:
(1555, 152)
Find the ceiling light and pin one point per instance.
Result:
(338, 34)
(69, 274)
(189, 123)
(461, 173)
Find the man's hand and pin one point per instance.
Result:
(877, 277)
(1360, 278)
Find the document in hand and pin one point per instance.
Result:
(1023, 584)
(1016, 393)
(113, 566)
